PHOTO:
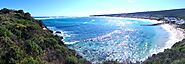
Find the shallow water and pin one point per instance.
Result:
(98, 39)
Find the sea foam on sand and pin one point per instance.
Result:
(175, 34)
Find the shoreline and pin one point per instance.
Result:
(175, 34)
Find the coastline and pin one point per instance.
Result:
(175, 34)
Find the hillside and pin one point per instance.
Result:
(163, 13)
(23, 41)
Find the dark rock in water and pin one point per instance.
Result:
(61, 37)
(153, 24)
(91, 40)
(57, 32)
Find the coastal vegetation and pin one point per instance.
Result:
(23, 41)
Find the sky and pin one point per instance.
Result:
(89, 7)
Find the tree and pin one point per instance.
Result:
(20, 11)
(5, 10)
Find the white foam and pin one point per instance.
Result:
(61, 34)
(92, 20)
(175, 35)
(103, 37)
(71, 42)
(85, 22)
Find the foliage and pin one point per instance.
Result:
(23, 41)
(71, 60)
(179, 61)
(30, 60)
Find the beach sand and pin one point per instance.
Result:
(175, 34)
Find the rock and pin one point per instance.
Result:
(61, 37)
(57, 32)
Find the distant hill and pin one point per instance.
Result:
(163, 13)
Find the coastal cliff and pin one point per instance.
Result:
(24, 40)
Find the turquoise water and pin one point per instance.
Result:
(98, 39)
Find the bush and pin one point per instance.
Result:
(4, 32)
(71, 60)
(27, 16)
(5, 10)
(50, 42)
(22, 41)
(22, 22)
(30, 60)
(10, 53)
(32, 48)
(181, 61)
(20, 11)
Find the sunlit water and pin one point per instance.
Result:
(99, 39)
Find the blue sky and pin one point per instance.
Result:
(89, 7)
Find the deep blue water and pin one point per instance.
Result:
(98, 39)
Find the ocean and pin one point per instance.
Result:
(100, 39)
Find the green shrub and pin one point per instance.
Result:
(62, 49)
(32, 48)
(5, 10)
(22, 22)
(11, 54)
(20, 11)
(4, 32)
(30, 60)
(23, 41)
(27, 16)
(36, 26)
(71, 60)
(180, 61)
(50, 42)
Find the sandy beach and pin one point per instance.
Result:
(175, 34)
